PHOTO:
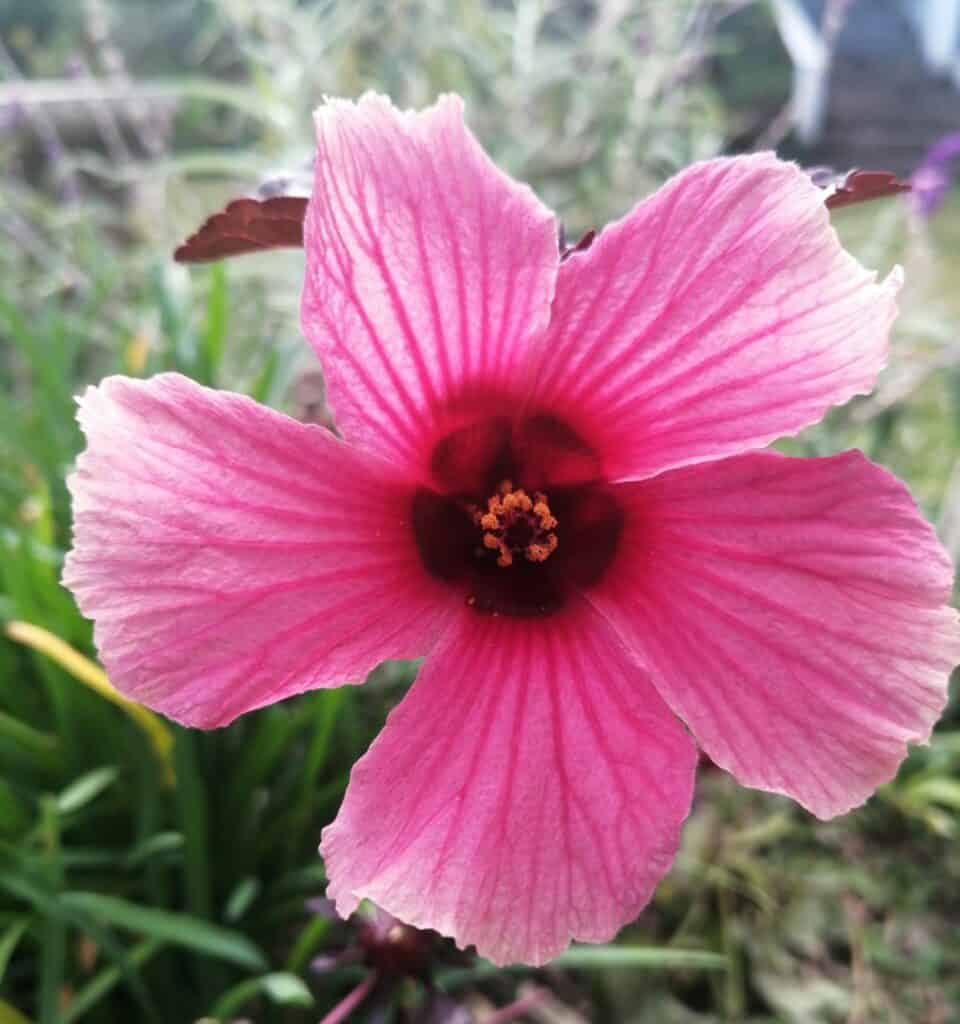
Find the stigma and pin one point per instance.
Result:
(515, 524)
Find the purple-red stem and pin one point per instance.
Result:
(351, 1001)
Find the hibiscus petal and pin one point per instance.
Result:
(718, 315)
(231, 556)
(792, 612)
(528, 790)
(428, 269)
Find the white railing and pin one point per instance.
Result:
(810, 56)
(939, 26)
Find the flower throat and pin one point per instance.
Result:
(519, 518)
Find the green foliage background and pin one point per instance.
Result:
(168, 887)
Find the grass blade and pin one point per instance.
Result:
(214, 336)
(85, 789)
(9, 940)
(98, 987)
(281, 988)
(87, 672)
(640, 956)
(167, 926)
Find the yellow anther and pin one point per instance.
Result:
(542, 511)
(518, 499)
(542, 551)
(511, 515)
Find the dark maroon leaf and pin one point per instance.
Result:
(256, 225)
(586, 240)
(857, 186)
(244, 226)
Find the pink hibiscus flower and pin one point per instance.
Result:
(550, 485)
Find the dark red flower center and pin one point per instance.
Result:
(519, 517)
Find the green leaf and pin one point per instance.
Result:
(193, 814)
(179, 929)
(287, 989)
(158, 843)
(39, 744)
(241, 899)
(86, 789)
(214, 335)
(936, 790)
(53, 941)
(280, 987)
(263, 385)
(640, 956)
(593, 957)
(14, 818)
(946, 743)
(56, 913)
(104, 981)
(310, 937)
(9, 940)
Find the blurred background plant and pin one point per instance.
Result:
(150, 873)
